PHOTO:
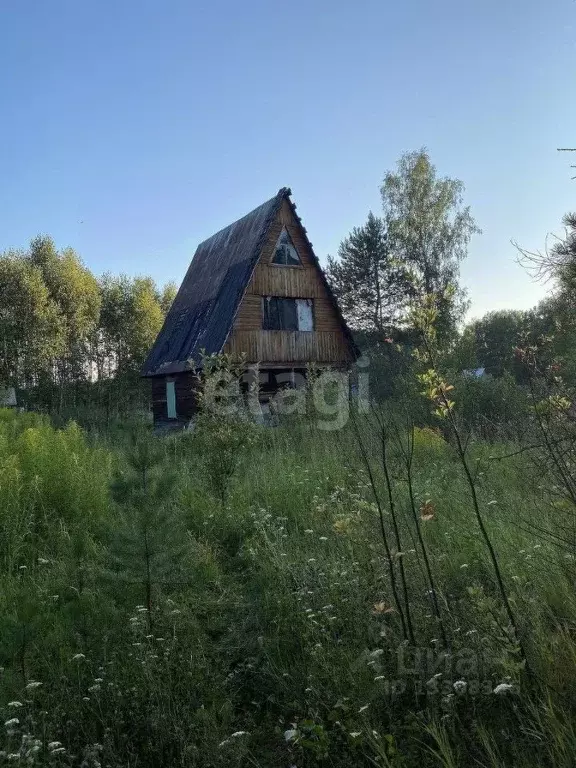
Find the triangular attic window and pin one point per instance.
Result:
(285, 252)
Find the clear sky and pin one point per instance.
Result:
(133, 129)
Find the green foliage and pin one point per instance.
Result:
(69, 341)
(223, 430)
(491, 343)
(30, 329)
(429, 231)
(491, 405)
(414, 249)
(149, 542)
(233, 596)
(131, 317)
(222, 441)
(369, 282)
(167, 296)
(145, 623)
(74, 291)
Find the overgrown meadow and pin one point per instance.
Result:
(247, 596)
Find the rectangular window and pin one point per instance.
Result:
(283, 314)
(171, 399)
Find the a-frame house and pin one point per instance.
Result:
(255, 289)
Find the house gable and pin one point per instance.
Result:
(327, 343)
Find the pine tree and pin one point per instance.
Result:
(368, 281)
(150, 543)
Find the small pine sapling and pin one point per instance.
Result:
(150, 544)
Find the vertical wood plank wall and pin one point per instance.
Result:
(185, 385)
(326, 344)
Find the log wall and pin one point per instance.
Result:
(186, 401)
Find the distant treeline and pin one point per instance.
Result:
(66, 335)
(69, 338)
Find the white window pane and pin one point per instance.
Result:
(305, 315)
(171, 399)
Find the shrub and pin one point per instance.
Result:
(491, 406)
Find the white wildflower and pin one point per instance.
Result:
(379, 677)
(237, 734)
(43, 561)
(78, 657)
(355, 734)
(503, 688)
(54, 745)
(323, 538)
(33, 684)
(364, 708)
(290, 734)
(12, 723)
(460, 686)
(14, 703)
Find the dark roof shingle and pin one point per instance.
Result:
(204, 308)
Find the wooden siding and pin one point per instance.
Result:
(289, 346)
(327, 343)
(186, 405)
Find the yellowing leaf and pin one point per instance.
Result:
(381, 608)
(427, 511)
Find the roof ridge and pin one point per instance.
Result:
(283, 192)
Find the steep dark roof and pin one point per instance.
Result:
(205, 306)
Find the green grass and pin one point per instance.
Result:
(275, 636)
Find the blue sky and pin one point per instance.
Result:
(133, 129)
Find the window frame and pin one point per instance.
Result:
(267, 315)
(290, 244)
(171, 400)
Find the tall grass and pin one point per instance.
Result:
(265, 632)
